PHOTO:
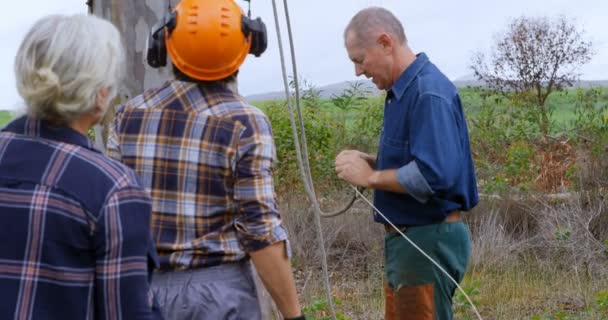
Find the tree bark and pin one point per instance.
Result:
(133, 18)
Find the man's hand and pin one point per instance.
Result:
(371, 159)
(354, 167)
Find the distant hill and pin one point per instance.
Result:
(337, 89)
(327, 91)
(470, 81)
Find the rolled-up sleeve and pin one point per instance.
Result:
(258, 223)
(412, 180)
(435, 147)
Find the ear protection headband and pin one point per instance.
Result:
(157, 48)
(259, 37)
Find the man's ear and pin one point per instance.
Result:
(386, 42)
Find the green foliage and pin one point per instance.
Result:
(598, 309)
(563, 234)
(367, 124)
(590, 113)
(591, 122)
(520, 164)
(347, 104)
(319, 310)
(601, 302)
(351, 98)
(498, 124)
(91, 134)
(330, 125)
(558, 315)
(319, 140)
(496, 184)
(504, 132)
(5, 117)
(461, 304)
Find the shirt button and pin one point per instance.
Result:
(389, 101)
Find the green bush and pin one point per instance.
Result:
(520, 164)
(367, 124)
(591, 122)
(504, 133)
(320, 142)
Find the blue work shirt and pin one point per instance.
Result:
(425, 137)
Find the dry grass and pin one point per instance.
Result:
(524, 263)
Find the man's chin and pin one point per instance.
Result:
(380, 86)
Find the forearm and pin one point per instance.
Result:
(274, 269)
(385, 180)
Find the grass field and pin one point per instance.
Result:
(561, 103)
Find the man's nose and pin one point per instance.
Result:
(358, 70)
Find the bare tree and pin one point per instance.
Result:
(533, 58)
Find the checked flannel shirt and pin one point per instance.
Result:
(75, 229)
(205, 156)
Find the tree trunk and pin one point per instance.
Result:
(134, 19)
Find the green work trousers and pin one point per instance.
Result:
(416, 289)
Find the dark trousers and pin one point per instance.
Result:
(416, 289)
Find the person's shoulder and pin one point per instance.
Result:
(252, 112)
(149, 98)
(115, 173)
(92, 178)
(433, 82)
(241, 111)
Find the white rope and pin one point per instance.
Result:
(306, 178)
(419, 249)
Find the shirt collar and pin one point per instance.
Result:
(410, 73)
(42, 129)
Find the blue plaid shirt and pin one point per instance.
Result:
(206, 158)
(75, 232)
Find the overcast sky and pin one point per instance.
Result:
(448, 31)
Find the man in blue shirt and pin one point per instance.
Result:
(423, 174)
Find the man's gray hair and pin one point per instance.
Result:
(64, 61)
(369, 22)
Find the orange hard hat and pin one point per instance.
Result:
(208, 42)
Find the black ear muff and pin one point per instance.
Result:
(157, 49)
(259, 37)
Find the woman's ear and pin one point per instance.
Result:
(102, 100)
(102, 104)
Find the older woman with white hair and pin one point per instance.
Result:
(74, 238)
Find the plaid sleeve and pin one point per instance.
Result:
(122, 246)
(258, 224)
(113, 145)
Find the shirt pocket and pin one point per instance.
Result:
(396, 152)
